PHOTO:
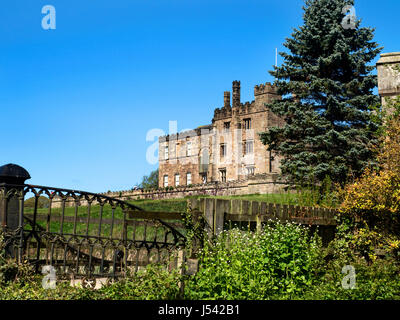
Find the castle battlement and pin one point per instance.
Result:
(186, 134)
(222, 113)
(266, 88)
(263, 93)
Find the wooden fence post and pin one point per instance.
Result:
(256, 210)
(221, 207)
(209, 205)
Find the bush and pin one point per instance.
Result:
(10, 270)
(279, 262)
(379, 281)
(153, 283)
(43, 202)
(371, 205)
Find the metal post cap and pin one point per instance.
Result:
(13, 174)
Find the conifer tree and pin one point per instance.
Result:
(326, 83)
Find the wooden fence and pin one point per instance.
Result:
(218, 213)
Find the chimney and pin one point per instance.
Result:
(235, 93)
(227, 99)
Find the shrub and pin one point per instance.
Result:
(370, 208)
(278, 262)
(43, 202)
(374, 200)
(373, 282)
(10, 270)
(152, 283)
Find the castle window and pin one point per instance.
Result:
(188, 178)
(166, 153)
(204, 177)
(223, 174)
(223, 150)
(177, 180)
(247, 123)
(188, 148)
(249, 147)
(227, 126)
(165, 181)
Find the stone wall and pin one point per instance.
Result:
(257, 184)
(389, 76)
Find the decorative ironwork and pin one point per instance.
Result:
(85, 234)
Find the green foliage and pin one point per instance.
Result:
(278, 262)
(167, 205)
(150, 181)
(10, 270)
(327, 97)
(323, 194)
(379, 281)
(152, 283)
(31, 289)
(370, 210)
(43, 202)
(283, 262)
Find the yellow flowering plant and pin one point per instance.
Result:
(372, 202)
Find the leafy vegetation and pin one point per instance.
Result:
(370, 209)
(42, 202)
(150, 181)
(167, 205)
(285, 261)
(278, 262)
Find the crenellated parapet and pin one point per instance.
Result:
(263, 93)
(186, 134)
(266, 88)
(222, 113)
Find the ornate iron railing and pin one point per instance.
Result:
(83, 234)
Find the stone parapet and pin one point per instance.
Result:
(257, 184)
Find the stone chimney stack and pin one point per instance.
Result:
(227, 99)
(236, 93)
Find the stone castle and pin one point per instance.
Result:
(227, 150)
(227, 157)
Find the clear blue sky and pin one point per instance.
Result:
(77, 102)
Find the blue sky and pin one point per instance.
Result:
(77, 102)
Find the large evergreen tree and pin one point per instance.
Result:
(327, 95)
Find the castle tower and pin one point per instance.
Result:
(389, 76)
(264, 93)
(227, 99)
(236, 94)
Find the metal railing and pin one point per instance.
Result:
(84, 234)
